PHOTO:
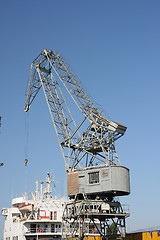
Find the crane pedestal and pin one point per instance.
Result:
(85, 218)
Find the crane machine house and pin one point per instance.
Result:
(87, 142)
(37, 218)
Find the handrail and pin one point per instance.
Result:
(43, 230)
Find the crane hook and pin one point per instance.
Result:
(26, 161)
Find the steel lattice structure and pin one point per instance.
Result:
(78, 217)
(92, 140)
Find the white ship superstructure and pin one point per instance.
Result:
(37, 218)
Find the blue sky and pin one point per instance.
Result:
(114, 48)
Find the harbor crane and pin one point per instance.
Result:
(87, 139)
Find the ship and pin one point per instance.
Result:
(37, 217)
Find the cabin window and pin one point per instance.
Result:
(93, 177)
(52, 228)
(55, 215)
(15, 238)
(32, 228)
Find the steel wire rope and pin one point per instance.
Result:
(26, 149)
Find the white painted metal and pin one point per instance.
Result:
(34, 218)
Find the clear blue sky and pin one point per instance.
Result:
(114, 48)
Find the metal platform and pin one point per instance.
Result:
(79, 216)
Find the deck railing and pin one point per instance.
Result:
(44, 230)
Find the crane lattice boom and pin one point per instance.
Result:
(90, 142)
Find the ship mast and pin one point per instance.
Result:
(47, 190)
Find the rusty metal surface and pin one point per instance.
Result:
(72, 183)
